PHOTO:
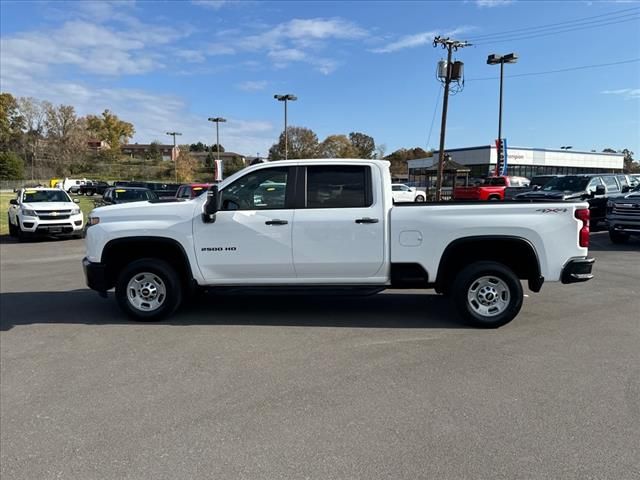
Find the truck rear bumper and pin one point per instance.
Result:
(577, 270)
(95, 275)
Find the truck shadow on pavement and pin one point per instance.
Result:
(600, 243)
(387, 310)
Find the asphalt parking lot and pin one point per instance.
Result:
(389, 386)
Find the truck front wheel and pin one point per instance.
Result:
(487, 294)
(148, 289)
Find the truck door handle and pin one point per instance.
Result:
(276, 222)
(367, 220)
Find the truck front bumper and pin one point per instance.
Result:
(95, 275)
(577, 270)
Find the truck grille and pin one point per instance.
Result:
(626, 209)
(53, 214)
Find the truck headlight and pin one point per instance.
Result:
(609, 204)
(75, 210)
(27, 212)
(93, 221)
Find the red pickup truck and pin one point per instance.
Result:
(491, 188)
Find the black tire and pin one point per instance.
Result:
(82, 234)
(13, 230)
(618, 237)
(420, 198)
(470, 278)
(22, 236)
(169, 278)
(494, 198)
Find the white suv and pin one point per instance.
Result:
(403, 193)
(48, 211)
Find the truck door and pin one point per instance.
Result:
(250, 240)
(338, 229)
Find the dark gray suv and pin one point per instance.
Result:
(623, 216)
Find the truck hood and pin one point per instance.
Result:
(147, 211)
(48, 206)
(632, 198)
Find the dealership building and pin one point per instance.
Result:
(521, 161)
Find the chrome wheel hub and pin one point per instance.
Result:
(146, 292)
(488, 296)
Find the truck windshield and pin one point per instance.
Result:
(33, 196)
(567, 184)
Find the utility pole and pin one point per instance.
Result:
(285, 99)
(218, 165)
(450, 45)
(175, 162)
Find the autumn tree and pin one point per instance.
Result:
(302, 143)
(67, 137)
(109, 128)
(629, 164)
(186, 165)
(337, 146)
(11, 166)
(11, 122)
(363, 144)
(400, 157)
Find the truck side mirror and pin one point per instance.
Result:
(600, 190)
(13, 201)
(211, 206)
(625, 188)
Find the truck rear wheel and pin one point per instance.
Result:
(487, 294)
(13, 230)
(148, 290)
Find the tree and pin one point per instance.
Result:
(302, 143)
(214, 148)
(110, 128)
(154, 152)
(197, 147)
(11, 166)
(363, 144)
(186, 165)
(34, 113)
(337, 146)
(67, 137)
(400, 157)
(11, 122)
(380, 151)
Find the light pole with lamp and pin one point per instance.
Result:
(286, 98)
(175, 160)
(217, 121)
(494, 59)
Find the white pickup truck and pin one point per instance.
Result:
(331, 224)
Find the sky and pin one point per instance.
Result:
(354, 66)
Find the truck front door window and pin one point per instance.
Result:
(259, 190)
(338, 186)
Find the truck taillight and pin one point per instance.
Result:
(583, 237)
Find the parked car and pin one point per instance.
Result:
(537, 183)
(44, 211)
(193, 190)
(403, 193)
(116, 195)
(623, 216)
(491, 188)
(338, 229)
(162, 190)
(93, 187)
(593, 188)
(71, 185)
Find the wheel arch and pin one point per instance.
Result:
(117, 253)
(517, 253)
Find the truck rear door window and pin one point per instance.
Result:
(339, 186)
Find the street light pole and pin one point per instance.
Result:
(175, 161)
(217, 121)
(285, 99)
(494, 59)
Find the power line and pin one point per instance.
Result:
(546, 72)
(433, 118)
(557, 32)
(546, 26)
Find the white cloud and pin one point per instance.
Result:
(628, 93)
(253, 85)
(418, 39)
(492, 3)
(210, 4)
